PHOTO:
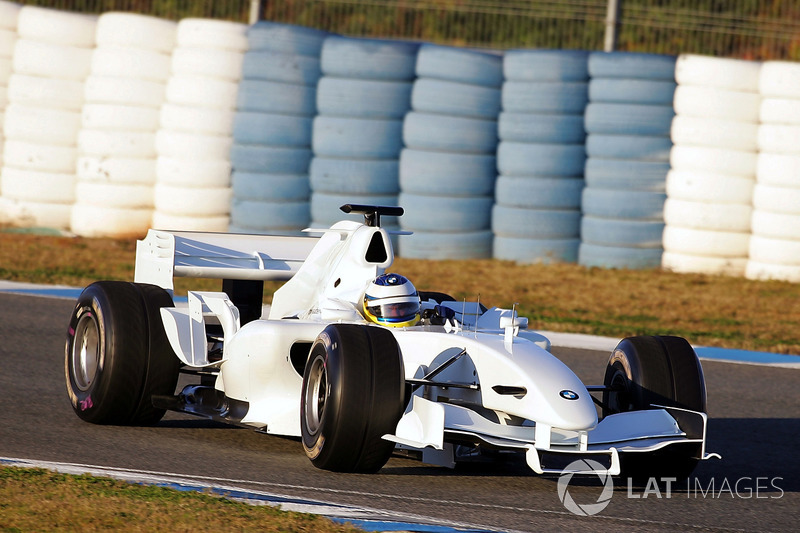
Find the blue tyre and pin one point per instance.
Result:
(546, 251)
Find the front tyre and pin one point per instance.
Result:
(116, 354)
(648, 371)
(353, 394)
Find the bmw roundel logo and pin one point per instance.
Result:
(568, 394)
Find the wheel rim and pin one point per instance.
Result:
(315, 396)
(85, 352)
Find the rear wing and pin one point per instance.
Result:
(164, 255)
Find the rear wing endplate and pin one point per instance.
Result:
(164, 255)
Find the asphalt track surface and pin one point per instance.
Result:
(754, 424)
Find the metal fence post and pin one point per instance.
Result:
(255, 11)
(612, 19)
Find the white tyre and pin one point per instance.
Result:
(777, 199)
(712, 102)
(276, 97)
(621, 232)
(702, 264)
(189, 201)
(45, 92)
(447, 173)
(529, 251)
(57, 27)
(715, 133)
(780, 111)
(441, 246)
(767, 271)
(722, 73)
(36, 58)
(356, 98)
(207, 62)
(709, 216)
(123, 91)
(202, 92)
(626, 174)
(40, 125)
(135, 30)
(782, 170)
(777, 225)
(167, 221)
(714, 160)
(529, 159)
(42, 157)
(541, 128)
(271, 129)
(633, 147)
(23, 214)
(628, 119)
(705, 242)
(119, 117)
(428, 131)
(545, 97)
(182, 145)
(611, 203)
(105, 221)
(114, 195)
(191, 119)
(3, 100)
(460, 65)
(5, 69)
(779, 138)
(780, 78)
(455, 98)
(111, 143)
(348, 57)
(116, 170)
(190, 172)
(709, 187)
(128, 62)
(775, 251)
(283, 68)
(9, 14)
(35, 186)
(210, 33)
(535, 223)
(546, 65)
(357, 137)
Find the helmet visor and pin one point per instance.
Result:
(394, 311)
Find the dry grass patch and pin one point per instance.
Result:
(707, 310)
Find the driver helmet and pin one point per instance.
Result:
(391, 300)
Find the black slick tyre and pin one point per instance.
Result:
(353, 394)
(117, 355)
(649, 371)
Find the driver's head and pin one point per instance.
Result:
(391, 300)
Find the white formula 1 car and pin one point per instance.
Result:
(462, 381)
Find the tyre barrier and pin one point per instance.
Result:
(362, 97)
(449, 161)
(541, 156)
(197, 123)
(710, 186)
(124, 93)
(276, 105)
(627, 121)
(775, 243)
(44, 79)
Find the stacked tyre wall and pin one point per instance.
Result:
(272, 131)
(362, 97)
(541, 156)
(447, 168)
(109, 119)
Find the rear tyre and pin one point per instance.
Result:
(353, 394)
(117, 355)
(649, 371)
